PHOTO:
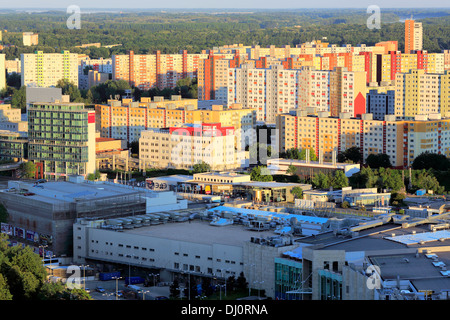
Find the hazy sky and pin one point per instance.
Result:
(223, 3)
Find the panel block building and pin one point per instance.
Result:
(46, 69)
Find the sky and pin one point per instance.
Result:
(263, 4)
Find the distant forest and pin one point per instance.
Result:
(173, 31)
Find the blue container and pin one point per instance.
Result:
(421, 192)
(133, 280)
(104, 276)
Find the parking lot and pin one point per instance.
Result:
(148, 293)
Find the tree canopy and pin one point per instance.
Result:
(376, 161)
(23, 277)
(434, 161)
(201, 167)
(352, 154)
(261, 173)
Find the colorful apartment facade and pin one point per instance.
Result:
(277, 90)
(402, 140)
(147, 71)
(418, 93)
(2, 73)
(413, 35)
(126, 120)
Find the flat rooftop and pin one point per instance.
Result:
(378, 239)
(303, 163)
(58, 192)
(200, 232)
(273, 184)
(423, 272)
(172, 178)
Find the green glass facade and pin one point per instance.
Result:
(13, 147)
(330, 285)
(58, 137)
(288, 276)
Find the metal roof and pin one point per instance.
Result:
(281, 216)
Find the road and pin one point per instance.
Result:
(150, 293)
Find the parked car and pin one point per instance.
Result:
(87, 290)
(41, 181)
(100, 289)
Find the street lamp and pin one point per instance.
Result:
(154, 275)
(117, 287)
(43, 252)
(143, 294)
(84, 275)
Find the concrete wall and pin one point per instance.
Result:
(112, 246)
(314, 260)
(259, 265)
(354, 285)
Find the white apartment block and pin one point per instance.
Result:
(46, 69)
(183, 147)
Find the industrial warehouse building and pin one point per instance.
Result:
(201, 246)
(48, 210)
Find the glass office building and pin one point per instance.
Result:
(62, 139)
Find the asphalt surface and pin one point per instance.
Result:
(149, 293)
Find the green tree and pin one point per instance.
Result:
(322, 180)
(397, 198)
(13, 80)
(187, 88)
(352, 154)
(5, 293)
(312, 155)
(134, 146)
(339, 180)
(201, 167)
(19, 99)
(94, 176)
(293, 153)
(261, 173)
(297, 192)
(428, 160)
(291, 170)
(27, 170)
(241, 282)
(111, 88)
(70, 89)
(4, 216)
(366, 178)
(376, 161)
(390, 179)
